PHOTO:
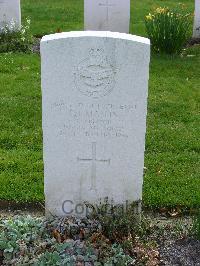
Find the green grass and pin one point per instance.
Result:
(172, 149)
(21, 164)
(172, 143)
(50, 16)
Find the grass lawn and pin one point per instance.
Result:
(172, 156)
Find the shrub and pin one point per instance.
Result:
(118, 222)
(168, 30)
(14, 39)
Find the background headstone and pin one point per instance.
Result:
(107, 15)
(94, 87)
(196, 30)
(10, 11)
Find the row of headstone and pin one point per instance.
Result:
(112, 15)
(196, 29)
(10, 14)
(99, 15)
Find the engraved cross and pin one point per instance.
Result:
(107, 5)
(93, 160)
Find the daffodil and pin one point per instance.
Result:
(149, 17)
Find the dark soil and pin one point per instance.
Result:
(36, 46)
(182, 252)
(176, 244)
(193, 41)
(15, 207)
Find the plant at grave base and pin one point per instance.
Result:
(102, 244)
(13, 39)
(16, 236)
(119, 258)
(109, 254)
(68, 254)
(168, 30)
(196, 225)
(118, 223)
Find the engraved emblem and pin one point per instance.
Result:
(94, 76)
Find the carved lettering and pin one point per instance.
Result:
(94, 120)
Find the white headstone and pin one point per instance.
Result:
(196, 30)
(94, 87)
(10, 13)
(107, 15)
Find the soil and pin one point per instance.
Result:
(180, 252)
(193, 41)
(36, 46)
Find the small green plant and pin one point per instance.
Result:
(196, 226)
(168, 30)
(118, 222)
(119, 258)
(67, 254)
(13, 39)
(17, 236)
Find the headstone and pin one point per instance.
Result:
(196, 30)
(10, 14)
(107, 15)
(94, 87)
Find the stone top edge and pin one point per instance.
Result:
(106, 34)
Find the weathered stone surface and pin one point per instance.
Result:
(10, 13)
(107, 15)
(196, 29)
(94, 87)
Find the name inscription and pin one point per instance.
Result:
(93, 120)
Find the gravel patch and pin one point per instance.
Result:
(182, 252)
(36, 46)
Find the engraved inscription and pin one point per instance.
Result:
(94, 76)
(94, 120)
(107, 6)
(93, 160)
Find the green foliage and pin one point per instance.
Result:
(119, 258)
(30, 241)
(17, 235)
(13, 39)
(196, 225)
(117, 222)
(168, 30)
(67, 254)
(50, 258)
